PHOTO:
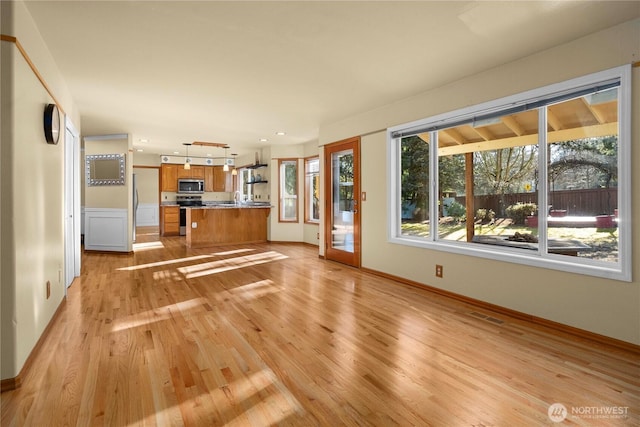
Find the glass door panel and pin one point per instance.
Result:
(343, 202)
(342, 208)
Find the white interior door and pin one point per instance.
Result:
(71, 204)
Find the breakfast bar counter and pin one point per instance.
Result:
(226, 224)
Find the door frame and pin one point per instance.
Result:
(330, 253)
(72, 214)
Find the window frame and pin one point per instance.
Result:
(242, 183)
(620, 270)
(308, 190)
(281, 176)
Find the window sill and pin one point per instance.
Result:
(569, 264)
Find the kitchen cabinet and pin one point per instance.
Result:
(208, 178)
(183, 173)
(222, 181)
(196, 172)
(170, 220)
(224, 226)
(215, 178)
(169, 176)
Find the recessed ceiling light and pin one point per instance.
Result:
(176, 152)
(264, 140)
(144, 140)
(281, 133)
(140, 150)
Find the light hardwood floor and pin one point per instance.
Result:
(269, 334)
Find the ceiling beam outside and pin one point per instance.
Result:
(596, 114)
(518, 141)
(455, 135)
(512, 124)
(484, 133)
(553, 120)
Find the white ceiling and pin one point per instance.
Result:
(234, 72)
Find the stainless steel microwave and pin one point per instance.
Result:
(190, 186)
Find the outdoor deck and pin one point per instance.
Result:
(580, 221)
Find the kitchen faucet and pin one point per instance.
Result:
(237, 197)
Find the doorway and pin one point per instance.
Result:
(72, 217)
(146, 204)
(342, 209)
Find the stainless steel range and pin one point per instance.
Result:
(185, 201)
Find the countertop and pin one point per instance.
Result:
(224, 205)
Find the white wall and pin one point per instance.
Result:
(109, 209)
(606, 307)
(309, 231)
(31, 222)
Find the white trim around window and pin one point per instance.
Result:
(533, 100)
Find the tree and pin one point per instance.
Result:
(415, 176)
(505, 170)
(584, 163)
(451, 173)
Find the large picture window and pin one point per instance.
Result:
(288, 200)
(540, 178)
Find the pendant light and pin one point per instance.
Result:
(187, 165)
(234, 171)
(226, 166)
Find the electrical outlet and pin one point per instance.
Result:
(194, 225)
(438, 270)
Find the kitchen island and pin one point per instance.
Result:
(225, 224)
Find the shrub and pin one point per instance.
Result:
(456, 210)
(485, 215)
(520, 211)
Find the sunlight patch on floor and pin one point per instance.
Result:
(155, 315)
(255, 290)
(270, 410)
(215, 267)
(161, 263)
(233, 252)
(146, 246)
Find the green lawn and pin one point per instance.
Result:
(603, 242)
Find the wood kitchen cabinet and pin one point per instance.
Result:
(208, 178)
(170, 220)
(169, 176)
(196, 172)
(222, 181)
(216, 179)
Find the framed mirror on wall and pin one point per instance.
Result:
(105, 169)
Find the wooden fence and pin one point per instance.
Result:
(598, 201)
